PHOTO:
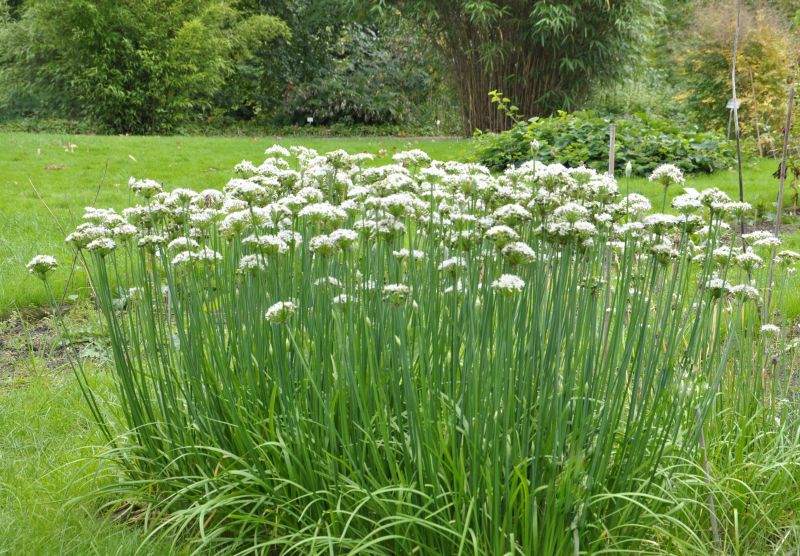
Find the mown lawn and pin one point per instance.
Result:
(98, 167)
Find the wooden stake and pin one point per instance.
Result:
(612, 140)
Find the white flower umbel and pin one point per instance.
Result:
(667, 174)
(508, 284)
(251, 263)
(102, 246)
(144, 188)
(770, 329)
(518, 252)
(42, 265)
(281, 312)
(396, 293)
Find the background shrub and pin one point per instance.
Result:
(766, 62)
(130, 66)
(377, 75)
(582, 138)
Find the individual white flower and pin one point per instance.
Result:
(745, 291)
(152, 241)
(396, 293)
(328, 281)
(687, 203)
(660, 223)
(277, 150)
(724, 254)
(323, 213)
(103, 217)
(633, 205)
(182, 244)
(786, 258)
(664, 252)
(749, 261)
(762, 238)
(124, 232)
(512, 214)
(508, 284)
(251, 263)
(42, 265)
(180, 196)
(102, 246)
(323, 245)
(713, 198)
(145, 188)
(736, 209)
(452, 265)
(245, 167)
(281, 312)
(248, 191)
(342, 299)
(502, 235)
(184, 258)
(267, 244)
(206, 254)
(667, 174)
(770, 329)
(518, 252)
(404, 254)
(717, 287)
(457, 288)
(343, 237)
(414, 157)
(85, 233)
(571, 212)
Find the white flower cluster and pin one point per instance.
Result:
(667, 174)
(452, 220)
(42, 265)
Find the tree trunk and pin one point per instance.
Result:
(522, 78)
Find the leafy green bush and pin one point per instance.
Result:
(126, 66)
(376, 77)
(583, 137)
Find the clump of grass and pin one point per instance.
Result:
(419, 356)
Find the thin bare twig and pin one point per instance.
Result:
(779, 211)
(736, 112)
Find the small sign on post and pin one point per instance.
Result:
(732, 106)
(612, 139)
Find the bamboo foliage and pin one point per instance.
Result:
(545, 55)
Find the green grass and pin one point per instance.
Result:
(71, 183)
(47, 444)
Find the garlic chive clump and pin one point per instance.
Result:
(322, 309)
